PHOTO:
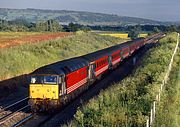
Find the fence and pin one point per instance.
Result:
(152, 116)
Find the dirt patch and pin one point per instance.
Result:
(8, 42)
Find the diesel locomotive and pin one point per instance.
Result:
(54, 85)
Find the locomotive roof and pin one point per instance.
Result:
(62, 67)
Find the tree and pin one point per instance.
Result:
(49, 25)
(85, 28)
(73, 27)
(178, 29)
(156, 30)
(171, 28)
(134, 32)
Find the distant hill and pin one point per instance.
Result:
(65, 17)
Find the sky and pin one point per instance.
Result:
(161, 10)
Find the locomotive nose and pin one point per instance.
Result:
(41, 91)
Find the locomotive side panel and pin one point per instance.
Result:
(76, 79)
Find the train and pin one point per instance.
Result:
(55, 85)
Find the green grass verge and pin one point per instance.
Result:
(128, 103)
(168, 113)
(25, 58)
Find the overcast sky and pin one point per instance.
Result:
(162, 10)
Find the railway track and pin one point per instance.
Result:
(17, 102)
(14, 113)
(23, 120)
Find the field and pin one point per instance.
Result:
(121, 35)
(143, 35)
(8, 39)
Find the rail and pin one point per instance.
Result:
(10, 115)
(23, 120)
(2, 110)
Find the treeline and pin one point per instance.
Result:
(21, 25)
(134, 31)
(52, 25)
(148, 28)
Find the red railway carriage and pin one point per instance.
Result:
(102, 65)
(132, 48)
(135, 44)
(125, 52)
(100, 61)
(116, 57)
(140, 44)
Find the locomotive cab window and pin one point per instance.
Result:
(39, 79)
(36, 79)
(50, 79)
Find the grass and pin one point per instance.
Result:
(128, 103)
(169, 109)
(177, 101)
(25, 58)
